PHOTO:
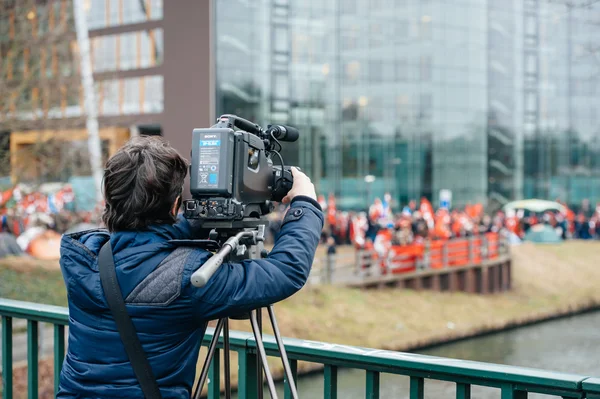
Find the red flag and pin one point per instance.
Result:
(6, 196)
(427, 211)
(331, 210)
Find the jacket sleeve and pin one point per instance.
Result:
(239, 287)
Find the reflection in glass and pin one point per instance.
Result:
(423, 95)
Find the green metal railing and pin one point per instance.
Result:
(514, 382)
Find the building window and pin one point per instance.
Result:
(352, 71)
(131, 96)
(153, 94)
(105, 13)
(376, 71)
(96, 12)
(401, 69)
(139, 49)
(127, 49)
(425, 28)
(104, 53)
(110, 97)
(425, 68)
(134, 11)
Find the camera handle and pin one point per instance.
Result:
(248, 237)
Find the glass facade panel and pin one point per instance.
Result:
(495, 100)
(143, 95)
(127, 49)
(138, 49)
(110, 97)
(153, 94)
(106, 13)
(131, 96)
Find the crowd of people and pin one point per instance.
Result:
(381, 225)
(378, 227)
(32, 220)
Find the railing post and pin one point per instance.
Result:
(417, 390)
(425, 262)
(445, 254)
(32, 359)
(463, 391)
(214, 376)
(502, 244)
(287, 392)
(7, 358)
(330, 265)
(247, 384)
(59, 353)
(484, 247)
(471, 249)
(330, 382)
(372, 387)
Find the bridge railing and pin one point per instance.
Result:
(513, 382)
(442, 261)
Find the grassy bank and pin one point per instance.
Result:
(548, 281)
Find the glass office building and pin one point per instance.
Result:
(491, 99)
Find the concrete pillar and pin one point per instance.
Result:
(485, 280)
(470, 285)
(453, 281)
(188, 67)
(400, 283)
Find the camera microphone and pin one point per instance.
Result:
(283, 132)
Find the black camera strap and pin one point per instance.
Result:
(116, 304)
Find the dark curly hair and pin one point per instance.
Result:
(141, 184)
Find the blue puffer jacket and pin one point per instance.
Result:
(169, 314)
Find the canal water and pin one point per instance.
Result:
(570, 345)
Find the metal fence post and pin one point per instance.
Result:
(484, 247)
(425, 262)
(330, 265)
(247, 381)
(7, 357)
(471, 249)
(445, 254)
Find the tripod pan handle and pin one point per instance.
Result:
(202, 275)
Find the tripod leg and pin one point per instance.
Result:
(227, 360)
(283, 353)
(211, 353)
(263, 355)
(258, 358)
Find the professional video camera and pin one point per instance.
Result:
(232, 173)
(233, 181)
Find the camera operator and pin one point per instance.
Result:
(143, 187)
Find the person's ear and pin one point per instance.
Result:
(176, 206)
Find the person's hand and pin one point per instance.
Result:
(301, 186)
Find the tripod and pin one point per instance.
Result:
(248, 244)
